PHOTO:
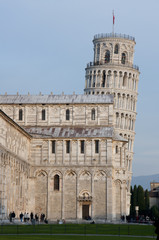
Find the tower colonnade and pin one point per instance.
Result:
(113, 72)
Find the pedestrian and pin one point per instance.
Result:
(13, 215)
(10, 217)
(25, 217)
(21, 217)
(28, 217)
(36, 217)
(31, 216)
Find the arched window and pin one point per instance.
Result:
(96, 146)
(116, 149)
(93, 114)
(94, 79)
(123, 58)
(53, 146)
(68, 146)
(82, 146)
(103, 78)
(43, 114)
(67, 114)
(56, 182)
(116, 49)
(98, 49)
(107, 56)
(125, 80)
(20, 114)
(90, 80)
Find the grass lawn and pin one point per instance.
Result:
(114, 229)
(70, 238)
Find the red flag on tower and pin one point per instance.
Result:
(113, 18)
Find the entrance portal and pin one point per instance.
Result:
(85, 211)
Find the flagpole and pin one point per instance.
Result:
(113, 23)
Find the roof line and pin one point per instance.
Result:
(13, 123)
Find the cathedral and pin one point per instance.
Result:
(70, 156)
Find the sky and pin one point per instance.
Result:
(46, 44)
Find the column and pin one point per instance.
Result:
(110, 202)
(25, 115)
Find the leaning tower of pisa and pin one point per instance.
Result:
(113, 72)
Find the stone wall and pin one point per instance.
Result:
(55, 115)
(14, 167)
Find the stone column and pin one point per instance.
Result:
(25, 115)
(49, 142)
(109, 151)
(109, 199)
(48, 115)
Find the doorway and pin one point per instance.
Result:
(85, 211)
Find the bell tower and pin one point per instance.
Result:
(113, 72)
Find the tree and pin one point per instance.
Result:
(133, 201)
(154, 213)
(147, 204)
(141, 199)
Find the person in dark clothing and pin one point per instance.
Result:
(21, 217)
(13, 215)
(31, 216)
(36, 217)
(10, 217)
(42, 217)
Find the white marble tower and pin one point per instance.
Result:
(113, 72)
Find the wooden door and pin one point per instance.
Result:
(85, 211)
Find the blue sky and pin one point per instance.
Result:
(45, 45)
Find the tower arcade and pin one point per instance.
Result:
(113, 72)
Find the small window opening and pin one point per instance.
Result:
(116, 149)
(56, 182)
(53, 146)
(68, 146)
(124, 80)
(96, 146)
(82, 146)
(123, 58)
(98, 49)
(93, 114)
(20, 114)
(116, 49)
(67, 114)
(107, 56)
(43, 114)
(103, 79)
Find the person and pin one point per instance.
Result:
(36, 217)
(10, 217)
(42, 217)
(28, 217)
(31, 216)
(46, 221)
(25, 217)
(13, 215)
(21, 217)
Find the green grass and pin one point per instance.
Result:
(115, 229)
(69, 238)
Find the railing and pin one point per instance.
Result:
(91, 64)
(113, 35)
